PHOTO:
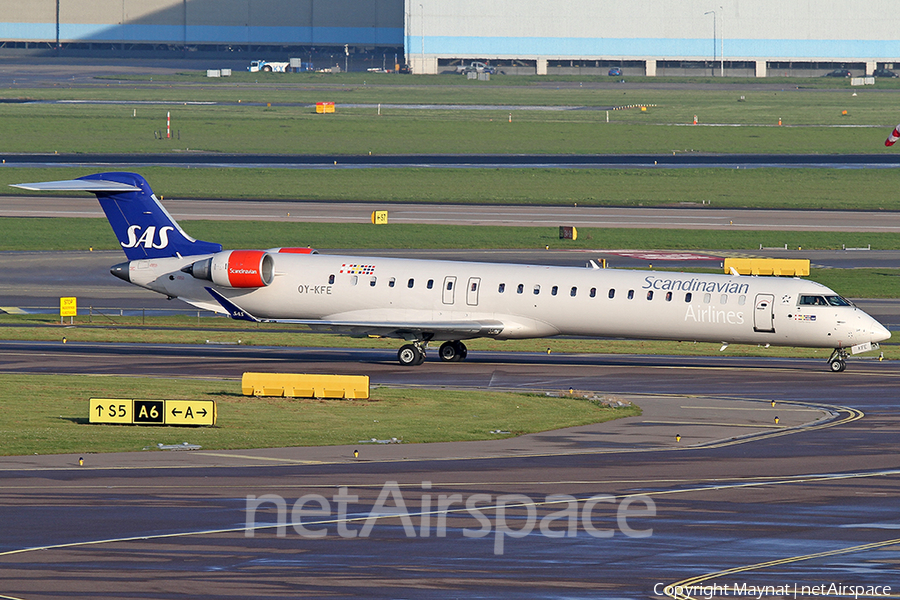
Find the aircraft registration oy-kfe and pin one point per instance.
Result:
(423, 301)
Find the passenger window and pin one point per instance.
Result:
(391, 282)
(474, 287)
(650, 295)
(372, 282)
(430, 284)
(354, 280)
(520, 289)
(501, 288)
(331, 278)
(449, 285)
(723, 299)
(410, 283)
(573, 291)
(742, 300)
(593, 292)
(553, 290)
(612, 293)
(706, 298)
(688, 297)
(631, 294)
(537, 290)
(668, 296)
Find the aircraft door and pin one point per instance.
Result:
(472, 291)
(449, 289)
(764, 313)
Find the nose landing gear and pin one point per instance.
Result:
(838, 360)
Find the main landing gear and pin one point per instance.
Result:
(838, 360)
(453, 351)
(411, 355)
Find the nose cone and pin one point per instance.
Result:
(122, 270)
(879, 332)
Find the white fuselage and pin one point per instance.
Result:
(532, 301)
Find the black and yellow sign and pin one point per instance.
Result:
(568, 233)
(380, 217)
(152, 412)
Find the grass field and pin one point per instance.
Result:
(32, 234)
(809, 189)
(271, 113)
(48, 414)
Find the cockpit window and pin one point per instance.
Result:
(813, 301)
(823, 301)
(837, 301)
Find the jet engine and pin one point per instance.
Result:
(235, 268)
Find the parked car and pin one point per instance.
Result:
(838, 73)
(883, 73)
(615, 72)
(475, 67)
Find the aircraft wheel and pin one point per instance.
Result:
(453, 351)
(837, 366)
(410, 355)
(449, 352)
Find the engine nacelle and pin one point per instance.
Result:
(235, 268)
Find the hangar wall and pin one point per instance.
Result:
(651, 30)
(744, 37)
(187, 22)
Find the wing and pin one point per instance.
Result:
(453, 330)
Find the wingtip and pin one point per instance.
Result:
(234, 311)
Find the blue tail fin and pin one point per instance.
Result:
(144, 227)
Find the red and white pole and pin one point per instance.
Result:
(168, 125)
(892, 139)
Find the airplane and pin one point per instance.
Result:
(423, 301)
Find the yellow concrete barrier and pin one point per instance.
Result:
(786, 267)
(294, 385)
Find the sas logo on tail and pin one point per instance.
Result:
(147, 238)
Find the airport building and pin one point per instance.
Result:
(752, 38)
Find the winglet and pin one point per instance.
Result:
(235, 311)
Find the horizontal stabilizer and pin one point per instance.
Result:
(77, 185)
